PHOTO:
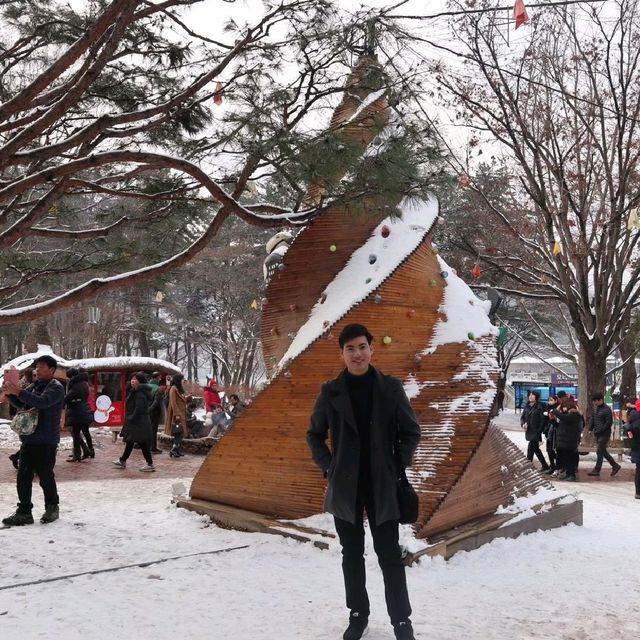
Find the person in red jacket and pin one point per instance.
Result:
(211, 396)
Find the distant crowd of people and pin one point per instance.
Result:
(562, 424)
(149, 404)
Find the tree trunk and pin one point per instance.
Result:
(627, 354)
(591, 379)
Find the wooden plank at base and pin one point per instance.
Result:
(486, 531)
(243, 520)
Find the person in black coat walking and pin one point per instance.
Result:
(373, 433)
(601, 424)
(549, 431)
(533, 420)
(137, 425)
(567, 436)
(633, 433)
(156, 415)
(78, 414)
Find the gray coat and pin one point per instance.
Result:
(395, 434)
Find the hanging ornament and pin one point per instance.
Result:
(293, 307)
(520, 13)
(444, 274)
(323, 297)
(385, 231)
(418, 359)
(475, 271)
(274, 331)
(217, 95)
(433, 284)
(411, 313)
(464, 181)
(387, 340)
(367, 281)
(326, 323)
(254, 304)
(333, 248)
(287, 374)
(470, 335)
(440, 220)
(372, 258)
(291, 335)
(377, 298)
(557, 249)
(273, 360)
(633, 222)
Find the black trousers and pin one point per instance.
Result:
(40, 459)
(144, 447)
(534, 448)
(638, 478)
(87, 435)
(551, 452)
(79, 445)
(602, 453)
(385, 543)
(567, 460)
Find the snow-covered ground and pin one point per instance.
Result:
(572, 583)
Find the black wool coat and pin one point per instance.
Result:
(137, 424)
(568, 430)
(78, 412)
(534, 419)
(394, 435)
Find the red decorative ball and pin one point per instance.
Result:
(385, 231)
(293, 307)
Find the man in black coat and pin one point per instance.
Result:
(601, 423)
(533, 420)
(373, 432)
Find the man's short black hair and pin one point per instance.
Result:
(352, 331)
(596, 396)
(535, 393)
(562, 394)
(48, 360)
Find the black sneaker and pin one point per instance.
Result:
(404, 630)
(615, 469)
(593, 472)
(357, 626)
(18, 519)
(51, 513)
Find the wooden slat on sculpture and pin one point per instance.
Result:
(263, 463)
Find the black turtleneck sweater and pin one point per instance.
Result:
(360, 390)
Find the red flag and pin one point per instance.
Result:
(520, 13)
(217, 96)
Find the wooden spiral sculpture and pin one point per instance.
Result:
(379, 270)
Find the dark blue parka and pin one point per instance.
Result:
(48, 398)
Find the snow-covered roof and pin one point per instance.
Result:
(114, 362)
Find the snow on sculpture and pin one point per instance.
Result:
(430, 331)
